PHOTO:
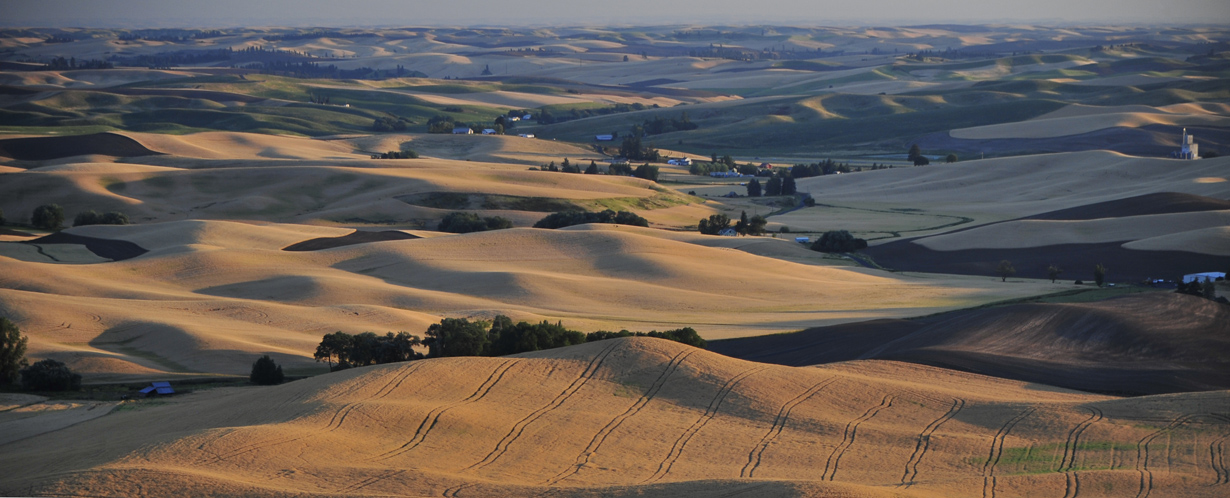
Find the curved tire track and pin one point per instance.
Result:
(519, 428)
(1142, 453)
(433, 417)
(601, 436)
(997, 451)
(755, 456)
(924, 443)
(677, 448)
(1072, 485)
(847, 438)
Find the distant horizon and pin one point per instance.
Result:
(150, 14)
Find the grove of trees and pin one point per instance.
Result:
(838, 241)
(460, 222)
(92, 217)
(12, 352)
(569, 218)
(714, 225)
(48, 217)
(265, 372)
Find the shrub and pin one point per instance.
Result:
(92, 217)
(459, 222)
(12, 352)
(569, 218)
(49, 375)
(265, 372)
(1079, 282)
(838, 241)
(48, 217)
(714, 225)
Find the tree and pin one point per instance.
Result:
(335, 345)
(49, 375)
(921, 161)
(1005, 270)
(12, 352)
(1099, 274)
(1, 216)
(92, 217)
(773, 187)
(915, 151)
(951, 158)
(592, 169)
(715, 224)
(788, 186)
(838, 241)
(741, 226)
(1053, 272)
(265, 372)
(755, 225)
(456, 337)
(753, 188)
(48, 217)
(647, 172)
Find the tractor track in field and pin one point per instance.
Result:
(997, 451)
(433, 416)
(1072, 485)
(848, 437)
(755, 456)
(714, 405)
(924, 443)
(600, 438)
(519, 428)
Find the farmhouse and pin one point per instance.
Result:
(680, 162)
(488, 131)
(463, 131)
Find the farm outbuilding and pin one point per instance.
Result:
(604, 138)
(158, 389)
(463, 131)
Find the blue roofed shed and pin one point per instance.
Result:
(158, 388)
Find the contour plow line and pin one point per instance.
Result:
(997, 451)
(847, 438)
(433, 417)
(1217, 459)
(924, 443)
(677, 448)
(755, 456)
(1072, 486)
(519, 428)
(594, 444)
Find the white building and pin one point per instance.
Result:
(1200, 277)
(604, 138)
(463, 131)
(1188, 148)
(526, 135)
(680, 162)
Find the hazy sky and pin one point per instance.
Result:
(223, 13)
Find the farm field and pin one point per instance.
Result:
(1007, 326)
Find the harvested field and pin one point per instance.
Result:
(635, 417)
(1152, 343)
(357, 237)
(1141, 205)
(48, 148)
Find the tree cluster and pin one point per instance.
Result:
(48, 217)
(714, 225)
(569, 218)
(915, 156)
(49, 375)
(394, 154)
(12, 352)
(684, 335)
(386, 124)
(461, 222)
(367, 348)
(546, 116)
(634, 150)
(1200, 288)
(443, 124)
(838, 241)
(92, 217)
(265, 372)
(658, 126)
(826, 167)
(750, 226)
